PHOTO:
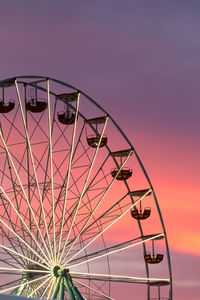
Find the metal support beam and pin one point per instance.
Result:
(57, 287)
(65, 283)
(62, 290)
(69, 288)
(19, 290)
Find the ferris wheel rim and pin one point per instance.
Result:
(116, 125)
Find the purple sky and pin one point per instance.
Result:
(141, 61)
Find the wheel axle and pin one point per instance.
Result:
(57, 271)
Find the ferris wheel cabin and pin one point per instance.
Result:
(159, 284)
(35, 104)
(140, 214)
(6, 108)
(96, 139)
(154, 258)
(67, 117)
(121, 173)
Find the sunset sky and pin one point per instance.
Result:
(140, 60)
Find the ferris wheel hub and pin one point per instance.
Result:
(57, 271)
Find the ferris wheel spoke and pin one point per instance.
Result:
(8, 238)
(12, 243)
(49, 213)
(37, 126)
(39, 211)
(47, 287)
(82, 241)
(22, 221)
(84, 188)
(9, 166)
(112, 210)
(9, 283)
(12, 123)
(40, 286)
(19, 285)
(17, 206)
(22, 188)
(14, 258)
(12, 126)
(59, 151)
(84, 204)
(4, 175)
(39, 163)
(92, 289)
(73, 207)
(58, 167)
(99, 284)
(74, 152)
(109, 226)
(20, 163)
(10, 221)
(23, 241)
(13, 254)
(51, 170)
(45, 180)
(62, 134)
(14, 246)
(51, 288)
(76, 181)
(94, 186)
(34, 171)
(116, 278)
(99, 202)
(107, 216)
(68, 174)
(114, 249)
(7, 261)
(4, 165)
(72, 212)
(28, 164)
(91, 185)
(19, 270)
(85, 152)
(65, 179)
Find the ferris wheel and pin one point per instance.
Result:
(79, 218)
